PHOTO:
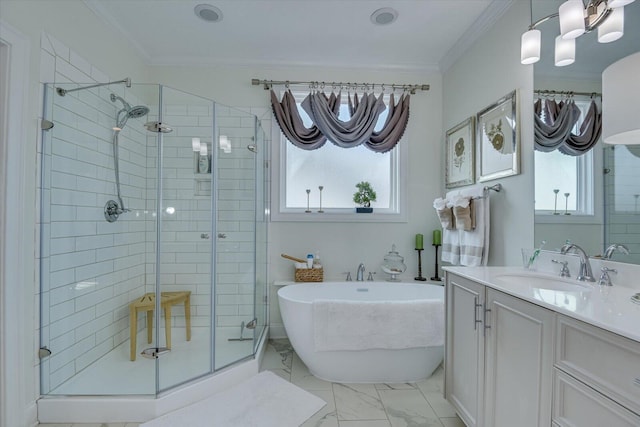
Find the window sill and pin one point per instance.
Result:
(315, 216)
(549, 218)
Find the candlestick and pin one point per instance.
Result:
(420, 278)
(419, 241)
(437, 237)
(555, 203)
(436, 278)
(320, 188)
(566, 204)
(308, 210)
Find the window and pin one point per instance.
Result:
(337, 170)
(567, 174)
(572, 175)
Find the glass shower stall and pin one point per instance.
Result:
(153, 238)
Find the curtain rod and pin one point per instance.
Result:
(566, 92)
(412, 88)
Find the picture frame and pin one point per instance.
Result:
(460, 154)
(498, 139)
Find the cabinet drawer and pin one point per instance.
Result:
(575, 404)
(603, 360)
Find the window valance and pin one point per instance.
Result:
(359, 129)
(553, 124)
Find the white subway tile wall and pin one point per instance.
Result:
(91, 269)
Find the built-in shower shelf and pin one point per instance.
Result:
(202, 184)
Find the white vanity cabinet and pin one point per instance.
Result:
(464, 348)
(499, 357)
(597, 377)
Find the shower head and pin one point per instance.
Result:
(128, 111)
(138, 111)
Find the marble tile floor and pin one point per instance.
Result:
(353, 405)
(365, 405)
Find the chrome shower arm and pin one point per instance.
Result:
(63, 92)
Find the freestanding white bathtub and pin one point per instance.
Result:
(358, 366)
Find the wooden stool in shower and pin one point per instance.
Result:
(148, 303)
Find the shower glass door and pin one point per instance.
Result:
(93, 266)
(262, 221)
(235, 186)
(185, 237)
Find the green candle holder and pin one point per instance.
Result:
(420, 278)
(436, 278)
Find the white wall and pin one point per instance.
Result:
(484, 74)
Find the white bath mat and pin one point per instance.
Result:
(265, 400)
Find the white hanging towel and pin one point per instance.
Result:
(473, 245)
(450, 238)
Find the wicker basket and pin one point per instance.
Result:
(309, 275)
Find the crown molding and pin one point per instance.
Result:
(485, 21)
(220, 62)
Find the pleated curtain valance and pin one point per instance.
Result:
(553, 122)
(359, 129)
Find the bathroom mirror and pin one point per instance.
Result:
(597, 198)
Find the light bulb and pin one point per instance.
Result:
(530, 47)
(203, 149)
(613, 27)
(571, 15)
(565, 53)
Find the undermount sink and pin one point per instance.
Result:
(545, 282)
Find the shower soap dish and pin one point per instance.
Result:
(309, 274)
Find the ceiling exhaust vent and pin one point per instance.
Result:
(384, 16)
(208, 13)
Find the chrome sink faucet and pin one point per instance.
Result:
(612, 248)
(360, 273)
(585, 274)
(605, 279)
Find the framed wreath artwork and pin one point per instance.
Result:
(460, 154)
(498, 139)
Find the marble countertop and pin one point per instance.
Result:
(608, 307)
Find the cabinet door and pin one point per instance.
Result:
(519, 362)
(464, 358)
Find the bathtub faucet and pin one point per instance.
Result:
(360, 273)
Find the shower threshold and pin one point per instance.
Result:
(142, 408)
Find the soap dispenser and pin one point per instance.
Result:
(393, 265)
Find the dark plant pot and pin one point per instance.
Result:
(364, 210)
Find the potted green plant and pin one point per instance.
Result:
(364, 196)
